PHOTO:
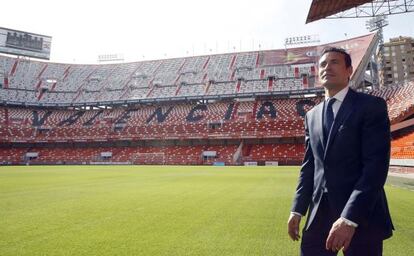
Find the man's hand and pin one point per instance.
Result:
(340, 236)
(293, 226)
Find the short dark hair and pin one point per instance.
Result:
(348, 60)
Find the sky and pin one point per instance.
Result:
(157, 29)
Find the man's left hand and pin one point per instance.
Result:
(340, 236)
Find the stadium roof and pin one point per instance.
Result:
(323, 8)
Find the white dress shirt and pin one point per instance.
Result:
(339, 98)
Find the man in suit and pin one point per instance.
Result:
(341, 182)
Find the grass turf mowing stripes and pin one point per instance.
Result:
(160, 210)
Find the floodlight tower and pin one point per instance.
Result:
(377, 23)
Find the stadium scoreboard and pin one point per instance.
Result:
(25, 43)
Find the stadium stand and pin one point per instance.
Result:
(403, 147)
(38, 82)
(228, 108)
(400, 99)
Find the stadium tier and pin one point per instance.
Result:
(228, 108)
(253, 119)
(38, 82)
(35, 83)
(403, 147)
(265, 119)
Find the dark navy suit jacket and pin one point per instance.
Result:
(354, 162)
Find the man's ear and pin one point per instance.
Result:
(350, 70)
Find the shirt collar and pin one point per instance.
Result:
(340, 96)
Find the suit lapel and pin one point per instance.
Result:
(343, 112)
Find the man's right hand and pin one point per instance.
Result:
(293, 226)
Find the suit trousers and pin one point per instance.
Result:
(314, 238)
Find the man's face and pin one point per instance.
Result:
(333, 72)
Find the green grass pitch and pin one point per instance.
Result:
(168, 210)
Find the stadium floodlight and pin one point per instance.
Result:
(301, 40)
(377, 24)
